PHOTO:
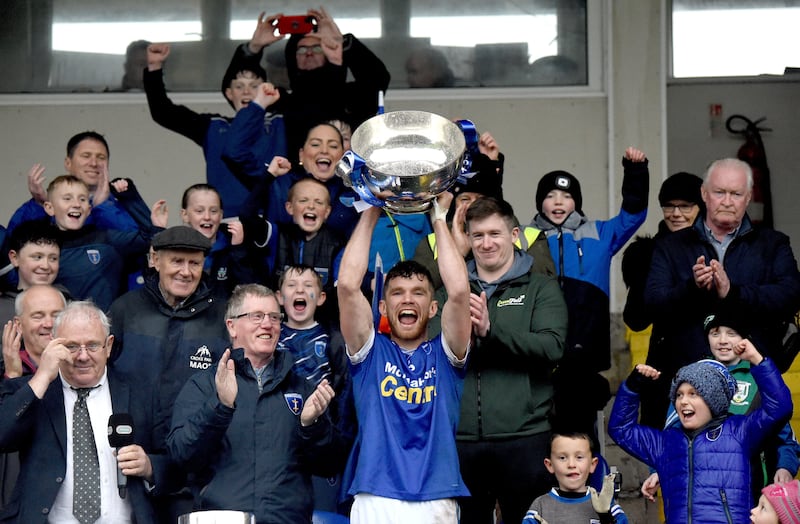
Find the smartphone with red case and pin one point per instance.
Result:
(296, 24)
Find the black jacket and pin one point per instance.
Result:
(256, 456)
(765, 287)
(37, 429)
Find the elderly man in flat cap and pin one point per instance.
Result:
(170, 328)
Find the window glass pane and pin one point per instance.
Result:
(81, 45)
(734, 38)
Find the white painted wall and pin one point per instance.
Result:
(537, 135)
(691, 146)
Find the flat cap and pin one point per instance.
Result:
(181, 237)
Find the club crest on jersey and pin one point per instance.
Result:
(714, 433)
(742, 392)
(294, 401)
(222, 273)
(319, 348)
(94, 256)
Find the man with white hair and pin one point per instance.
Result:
(57, 419)
(723, 259)
(24, 340)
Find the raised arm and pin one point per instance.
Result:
(776, 399)
(164, 112)
(329, 34)
(356, 319)
(251, 144)
(202, 414)
(264, 33)
(643, 442)
(456, 323)
(635, 181)
(370, 76)
(18, 397)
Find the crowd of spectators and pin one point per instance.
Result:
(259, 367)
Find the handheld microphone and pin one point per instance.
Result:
(120, 434)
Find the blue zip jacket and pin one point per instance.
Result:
(212, 133)
(705, 476)
(582, 250)
(256, 456)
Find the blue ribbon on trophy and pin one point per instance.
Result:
(357, 171)
(471, 137)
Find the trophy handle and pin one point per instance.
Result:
(351, 168)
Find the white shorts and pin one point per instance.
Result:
(369, 509)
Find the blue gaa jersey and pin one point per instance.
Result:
(309, 349)
(408, 406)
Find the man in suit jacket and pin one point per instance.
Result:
(36, 416)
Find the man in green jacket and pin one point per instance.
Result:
(519, 325)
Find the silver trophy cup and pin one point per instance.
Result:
(403, 159)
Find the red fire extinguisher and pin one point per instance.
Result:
(752, 152)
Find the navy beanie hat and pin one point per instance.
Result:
(482, 183)
(711, 380)
(681, 186)
(728, 317)
(563, 181)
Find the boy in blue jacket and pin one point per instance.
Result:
(777, 460)
(704, 465)
(93, 259)
(212, 132)
(582, 250)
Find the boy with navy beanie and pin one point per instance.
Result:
(778, 458)
(582, 250)
(704, 464)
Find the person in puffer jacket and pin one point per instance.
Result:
(705, 463)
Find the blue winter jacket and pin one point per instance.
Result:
(705, 477)
(212, 132)
(582, 250)
(108, 215)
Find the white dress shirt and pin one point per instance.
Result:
(113, 509)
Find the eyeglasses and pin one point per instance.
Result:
(91, 347)
(683, 208)
(257, 317)
(303, 49)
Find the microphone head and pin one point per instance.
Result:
(120, 430)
